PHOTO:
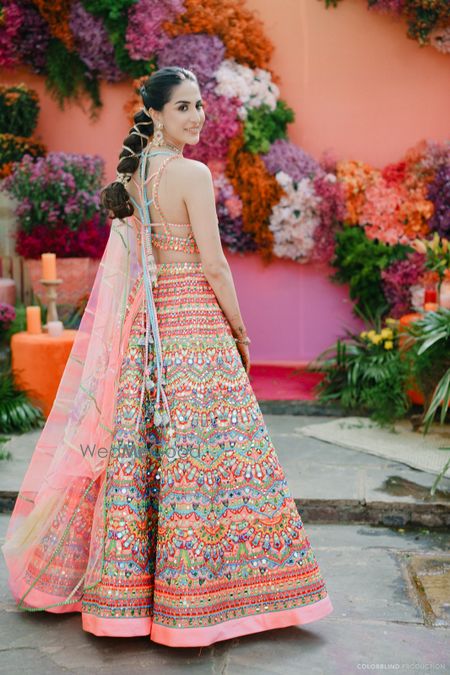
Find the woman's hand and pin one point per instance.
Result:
(245, 355)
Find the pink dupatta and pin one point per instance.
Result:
(62, 493)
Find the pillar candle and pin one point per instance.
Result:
(34, 319)
(48, 266)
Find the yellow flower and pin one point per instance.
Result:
(386, 333)
(371, 334)
(363, 334)
(388, 344)
(376, 339)
(390, 321)
(435, 242)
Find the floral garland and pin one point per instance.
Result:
(428, 22)
(272, 197)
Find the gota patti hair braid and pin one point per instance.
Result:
(124, 177)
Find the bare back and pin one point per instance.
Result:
(172, 217)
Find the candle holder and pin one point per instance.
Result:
(52, 294)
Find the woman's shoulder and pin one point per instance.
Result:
(193, 172)
(192, 166)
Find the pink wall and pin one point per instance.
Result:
(358, 86)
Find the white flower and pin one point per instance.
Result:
(252, 86)
(295, 218)
(440, 39)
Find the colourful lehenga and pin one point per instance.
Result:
(200, 537)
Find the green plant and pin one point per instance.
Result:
(263, 126)
(441, 475)
(366, 372)
(61, 62)
(4, 454)
(19, 110)
(429, 342)
(17, 414)
(359, 262)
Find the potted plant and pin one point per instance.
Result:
(429, 344)
(366, 373)
(58, 210)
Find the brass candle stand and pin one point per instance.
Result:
(52, 294)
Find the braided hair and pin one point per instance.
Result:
(156, 92)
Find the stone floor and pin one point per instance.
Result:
(378, 622)
(390, 587)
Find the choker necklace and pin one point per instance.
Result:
(169, 145)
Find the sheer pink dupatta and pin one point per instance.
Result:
(59, 513)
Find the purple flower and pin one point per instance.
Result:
(144, 35)
(388, 6)
(34, 36)
(93, 43)
(397, 280)
(10, 22)
(332, 211)
(231, 232)
(439, 194)
(61, 188)
(200, 53)
(7, 315)
(285, 156)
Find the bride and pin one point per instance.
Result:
(154, 503)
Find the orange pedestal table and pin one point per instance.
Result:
(38, 362)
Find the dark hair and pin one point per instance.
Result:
(156, 91)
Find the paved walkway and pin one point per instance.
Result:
(389, 587)
(377, 619)
(329, 483)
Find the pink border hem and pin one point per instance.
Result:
(121, 627)
(207, 635)
(35, 599)
(180, 637)
(201, 637)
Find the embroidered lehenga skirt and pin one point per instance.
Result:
(201, 540)
(204, 543)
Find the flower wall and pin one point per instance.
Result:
(275, 197)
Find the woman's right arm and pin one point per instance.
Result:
(198, 193)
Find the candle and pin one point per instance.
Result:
(48, 266)
(34, 319)
(55, 328)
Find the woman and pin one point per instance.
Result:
(155, 503)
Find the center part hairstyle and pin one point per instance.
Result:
(156, 91)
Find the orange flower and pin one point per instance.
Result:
(356, 177)
(6, 169)
(258, 190)
(239, 29)
(57, 14)
(430, 278)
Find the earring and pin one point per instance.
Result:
(158, 138)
